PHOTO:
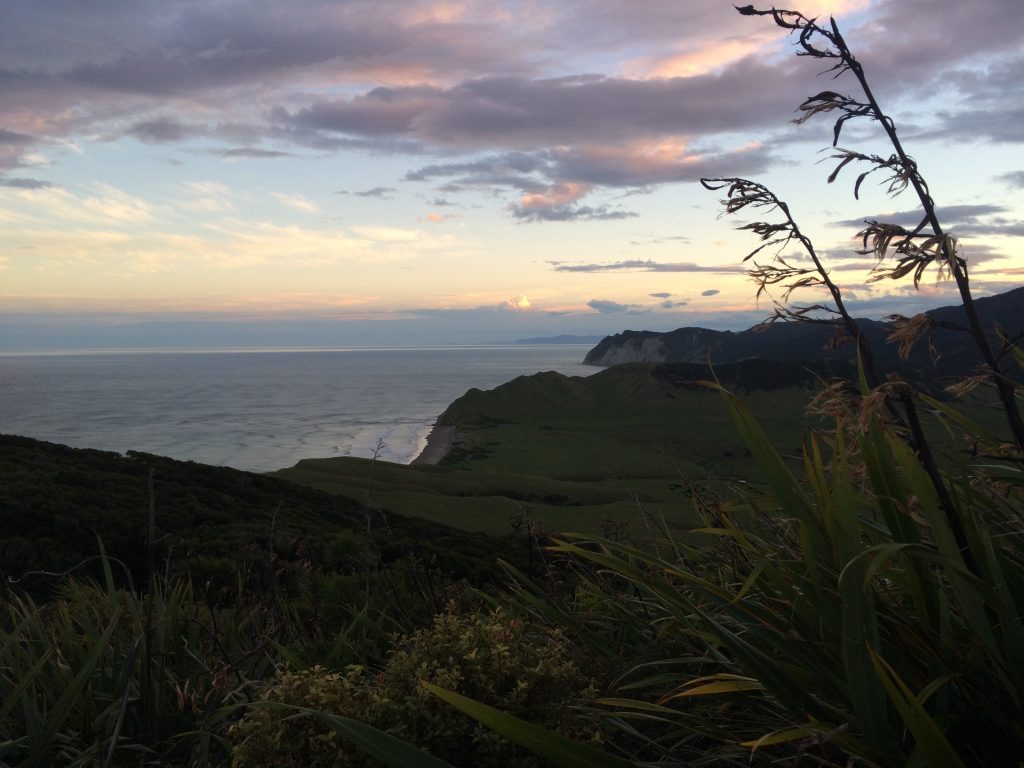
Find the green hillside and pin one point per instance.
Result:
(56, 503)
(583, 454)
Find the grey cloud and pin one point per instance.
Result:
(207, 46)
(522, 113)
(661, 240)
(975, 88)
(1001, 227)
(642, 265)
(608, 307)
(379, 111)
(983, 30)
(663, 295)
(569, 213)
(170, 130)
(711, 292)
(972, 220)
(637, 192)
(162, 130)
(606, 166)
(903, 302)
(975, 253)
(253, 153)
(605, 25)
(991, 84)
(547, 170)
(87, 67)
(12, 137)
(505, 169)
(382, 193)
(19, 183)
(855, 266)
(950, 215)
(1000, 126)
(1013, 178)
(62, 64)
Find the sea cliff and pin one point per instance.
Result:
(805, 341)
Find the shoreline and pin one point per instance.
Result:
(440, 440)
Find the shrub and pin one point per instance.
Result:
(270, 737)
(527, 670)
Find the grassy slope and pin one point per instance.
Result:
(56, 501)
(576, 452)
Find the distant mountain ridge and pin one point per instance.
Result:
(800, 342)
(565, 338)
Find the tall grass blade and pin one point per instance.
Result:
(558, 749)
(931, 742)
(14, 696)
(57, 716)
(390, 750)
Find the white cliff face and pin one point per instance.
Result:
(649, 350)
(684, 345)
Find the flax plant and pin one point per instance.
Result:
(898, 251)
(863, 609)
(108, 676)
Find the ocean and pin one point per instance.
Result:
(257, 410)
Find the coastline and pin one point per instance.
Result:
(53, 398)
(439, 442)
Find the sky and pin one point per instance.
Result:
(228, 172)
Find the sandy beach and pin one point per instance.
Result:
(439, 442)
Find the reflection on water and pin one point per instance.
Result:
(256, 410)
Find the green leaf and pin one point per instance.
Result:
(782, 736)
(390, 750)
(558, 749)
(56, 717)
(968, 425)
(931, 741)
(778, 677)
(641, 706)
(14, 697)
(722, 686)
(785, 487)
(859, 622)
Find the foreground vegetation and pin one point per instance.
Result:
(856, 599)
(825, 609)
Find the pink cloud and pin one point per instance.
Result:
(557, 195)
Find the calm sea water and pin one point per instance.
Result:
(256, 410)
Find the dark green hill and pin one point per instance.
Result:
(629, 423)
(55, 502)
(795, 342)
(588, 453)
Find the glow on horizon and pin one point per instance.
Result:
(518, 166)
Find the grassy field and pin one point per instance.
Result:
(585, 454)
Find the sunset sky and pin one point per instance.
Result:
(220, 172)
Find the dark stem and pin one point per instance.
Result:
(1003, 383)
(924, 453)
(866, 356)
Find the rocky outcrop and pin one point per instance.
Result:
(629, 347)
(685, 345)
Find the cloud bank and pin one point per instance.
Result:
(655, 96)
